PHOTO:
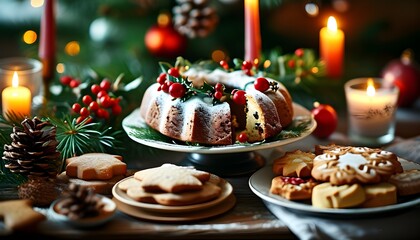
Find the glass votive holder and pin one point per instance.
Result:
(371, 111)
(28, 69)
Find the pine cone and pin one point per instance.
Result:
(41, 191)
(33, 150)
(194, 18)
(81, 202)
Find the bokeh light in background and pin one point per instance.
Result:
(163, 19)
(218, 55)
(312, 9)
(29, 37)
(37, 3)
(60, 68)
(72, 48)
(267, 63)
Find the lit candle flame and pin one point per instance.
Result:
(332, 24)
(15, 80)
(370, 90)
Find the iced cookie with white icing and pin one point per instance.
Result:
(348, 165)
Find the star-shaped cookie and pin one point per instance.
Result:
(19, 215)
(95, 166)
(172, 178)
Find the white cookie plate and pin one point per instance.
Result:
(122, 197)
(260, 183)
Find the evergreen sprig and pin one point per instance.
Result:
(76, 139)
(295, 129)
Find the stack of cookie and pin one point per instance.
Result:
(172, 185)
(342, 177)
(99, 171)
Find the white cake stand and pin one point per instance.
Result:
(228, 160)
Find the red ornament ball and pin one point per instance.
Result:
(405, 74)
(164, 41)
(326, 119)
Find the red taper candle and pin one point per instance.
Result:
(252, 31)
(47, 44)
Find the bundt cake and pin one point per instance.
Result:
(214, 118)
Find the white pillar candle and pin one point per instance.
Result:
(371, 109)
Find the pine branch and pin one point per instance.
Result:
(76, 139)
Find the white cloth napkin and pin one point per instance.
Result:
(404, 225)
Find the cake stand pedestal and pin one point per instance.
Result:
(226, 164)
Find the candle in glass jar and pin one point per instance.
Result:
(371, 109)
(16, 100)
(331, 46)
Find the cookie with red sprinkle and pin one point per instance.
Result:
(292, 188)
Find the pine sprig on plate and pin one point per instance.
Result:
(295, 129)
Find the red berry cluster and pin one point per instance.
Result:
(175, 89)
(247, 68)
(299, 61)
(219, 91)
(102, 106)
(70, 81)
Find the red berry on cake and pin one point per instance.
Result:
(161, 79)
(239, 97)
(219, 87)
(246, 65)
(242, 137)
(177, 90)
(173, 72)
(261, 84)
(218, 95)
(224, 64)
